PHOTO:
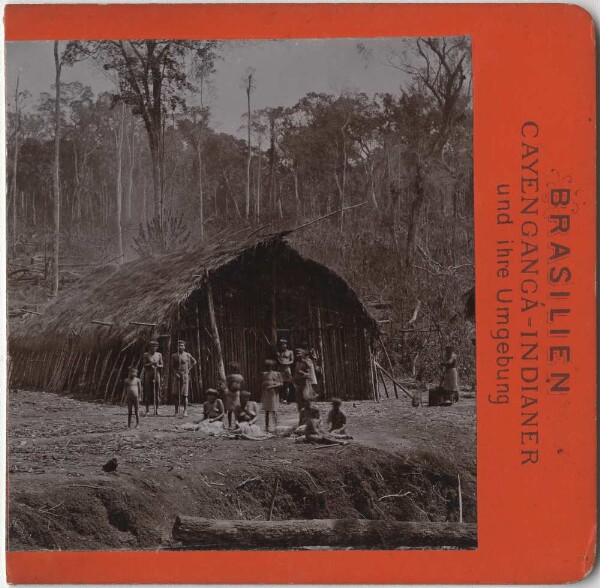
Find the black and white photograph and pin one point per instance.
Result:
(241, 295)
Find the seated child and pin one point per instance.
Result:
(314, 432)
(303, 418)
(336, 419)
(313, 428)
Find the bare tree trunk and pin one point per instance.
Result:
(201, 193)
(279, 205)
(55, 277)
(342, 187)
(14, 177)
(248, 92)
(454, 222)
(33, 210)
(144, 214)
(297, 194)
(131, 166)
(258, 180)
(416, 208)
(232, 534)
(215, 199)
(272, 164)
(119, 138)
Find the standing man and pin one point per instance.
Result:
(153, 364)
(181, 363)
(285, 358)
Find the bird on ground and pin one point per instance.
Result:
(111, 465)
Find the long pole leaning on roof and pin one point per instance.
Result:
(320, 218)
(214, 329)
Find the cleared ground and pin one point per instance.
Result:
(403, 464)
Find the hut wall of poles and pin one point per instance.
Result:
(257, 299)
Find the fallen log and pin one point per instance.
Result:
(243, 534)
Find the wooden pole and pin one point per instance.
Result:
(372, 376)
(385, 387)
(273, 499)
(273, 302)
(375, 381)
(321, 349)
(341, 210)
(215, 330)
(389, 362)
(460, 508)
(394, 380)
(243, 534)
(198, 348)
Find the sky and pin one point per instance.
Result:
(284, 72)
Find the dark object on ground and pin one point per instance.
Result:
(440, 397)
(110, 465)
(417, 399)
(243, 534)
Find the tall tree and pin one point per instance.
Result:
(440, 67)
(249, 86)
(153, 78)
(15, 163)
(56, 215)
(119, 132)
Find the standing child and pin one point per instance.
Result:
(235, 383)
(132, 391)
(271, 384)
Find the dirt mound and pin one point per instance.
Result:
(135, 509)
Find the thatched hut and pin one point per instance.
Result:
(261, 287)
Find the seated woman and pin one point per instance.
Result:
(214, 412)
(246, 415)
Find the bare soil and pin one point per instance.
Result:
(403, 464)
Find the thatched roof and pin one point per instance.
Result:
(148, 290)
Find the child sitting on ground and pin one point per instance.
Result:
(132, 390)
(336, 419)
(314, 428)
(314, 432)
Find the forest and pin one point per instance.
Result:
(98, 178)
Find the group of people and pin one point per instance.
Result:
(291, 376)
(182, 363)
